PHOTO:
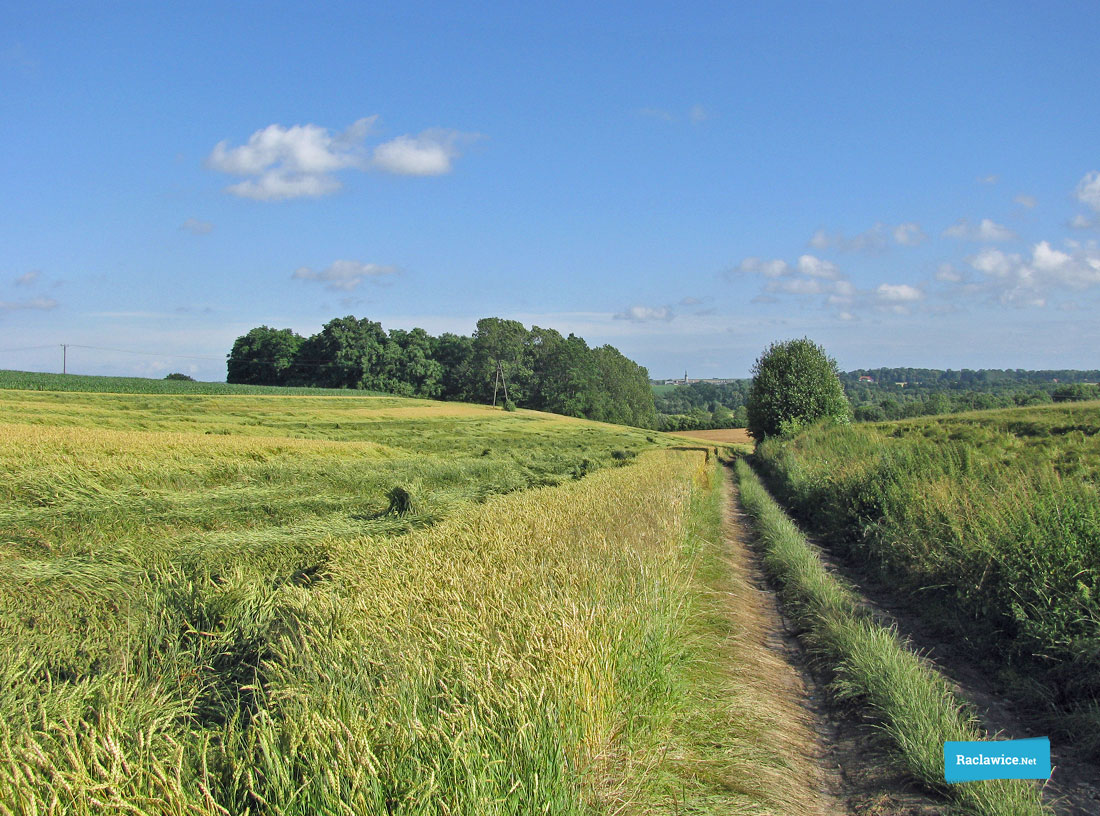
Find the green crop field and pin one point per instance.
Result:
(36, 381)
(231, 604)
(994, 515)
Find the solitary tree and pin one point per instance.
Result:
(794, 383)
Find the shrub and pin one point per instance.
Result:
(794, 384)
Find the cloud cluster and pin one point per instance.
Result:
(28, 278)
(645, 314)
(877, 239)
(279, 163)
(987, 231)
(344, 276)
(812, 279)
(1017, 279)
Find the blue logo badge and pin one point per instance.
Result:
(996, 759)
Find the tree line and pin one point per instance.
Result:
(535, 368)
(885, 393)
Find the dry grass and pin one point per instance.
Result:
(737, 436)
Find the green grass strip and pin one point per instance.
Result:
(872, 666)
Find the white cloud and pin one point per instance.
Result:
(277, 185)
(898, 292)
(987, 230)
(1088, 190)
(909, 234)
(775, 268)
(298, 149)
(429, 154)
(28, 278)
(798, 286)
(992, 178)
(1082, 222)
(343, 275)
(34, 304)
(1025, 200)
(657, 113)
(698, 114)
(948, 273)
(291, 162)
(817, 268)
(1046, 259)
(645, 314)
(197, 227)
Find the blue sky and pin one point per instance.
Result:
(906, 183)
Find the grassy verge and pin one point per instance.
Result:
(993, 517)
(871, 666)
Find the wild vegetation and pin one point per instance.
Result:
(356, 605)
(995, 515)
(502, 362)
(870, 666)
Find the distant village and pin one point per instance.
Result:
(686, 380)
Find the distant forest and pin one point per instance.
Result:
(530, 368)
(885, 393)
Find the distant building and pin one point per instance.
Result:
(866, 378)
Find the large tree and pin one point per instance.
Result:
(407, 367)
(346, 353)
(263, 356)
(794, 383)
(499, 347)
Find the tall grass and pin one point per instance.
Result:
(212, 623)
(871, 667)
(995, 514)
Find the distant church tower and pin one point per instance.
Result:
(685, 377)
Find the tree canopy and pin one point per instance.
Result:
(543, 370)
(794, 383)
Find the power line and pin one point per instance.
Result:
(144, 353)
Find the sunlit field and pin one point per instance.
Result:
(315, 605)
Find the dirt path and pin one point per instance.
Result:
(855, 777)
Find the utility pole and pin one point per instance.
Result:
(64, 358)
